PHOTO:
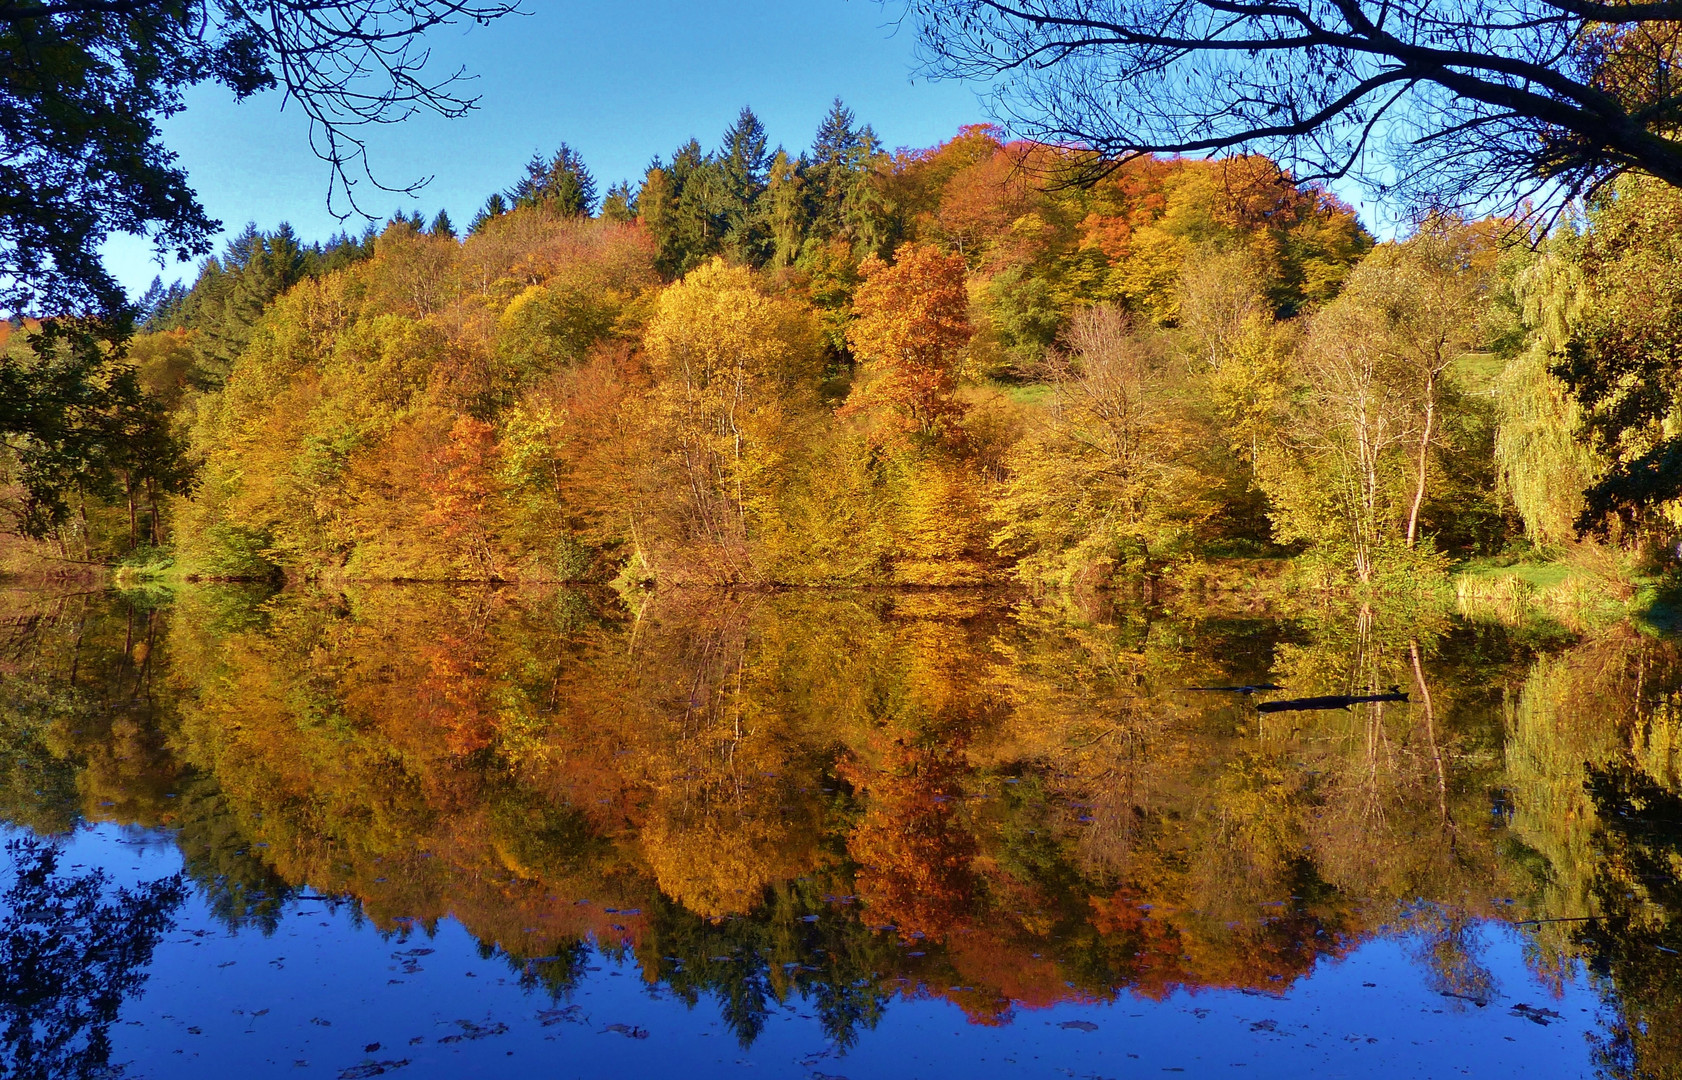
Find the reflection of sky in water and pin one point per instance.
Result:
(328, 995)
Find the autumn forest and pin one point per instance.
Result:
(987, 362)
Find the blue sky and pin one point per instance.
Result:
(618, 82)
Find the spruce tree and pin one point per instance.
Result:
(744, 157)
(680, 206)
(151, 299)
(494, 207)
(839, 154)
(845, 202)
(621, 203)
(743, 162)
(562, 183)
(231, 292)
(785, 210)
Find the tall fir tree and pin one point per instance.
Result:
(680, 204)
(495, 206)
(785, 210)
(561, 183)
(744, 156)
(231, 292)
(742, 162)
(840, 153)
(620, 205)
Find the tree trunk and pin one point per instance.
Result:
(1431, 735)
(133, 522)
(152, 503)
(87, 537)
(1424, 455)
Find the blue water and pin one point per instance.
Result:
(327, 994)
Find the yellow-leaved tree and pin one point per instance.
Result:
(735, 369)
(1112, 474)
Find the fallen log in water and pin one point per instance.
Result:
(1332, 701)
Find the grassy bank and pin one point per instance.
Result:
(1585, 588)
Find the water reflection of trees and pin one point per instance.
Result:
(1597, 801)
(72, 950)
(852, 798)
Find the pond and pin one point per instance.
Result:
(428, 831)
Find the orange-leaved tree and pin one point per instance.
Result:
(910, 329)
(465, 488)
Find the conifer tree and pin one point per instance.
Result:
(744, 156)
(838, 168)
(680, 207)
(562, 183)
(494, 207)
(742, 162)
(231, 292)
(620, 205)
(783, 206)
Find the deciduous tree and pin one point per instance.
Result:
(910, 328)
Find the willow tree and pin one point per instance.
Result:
(1544, 464)
(1621, 359)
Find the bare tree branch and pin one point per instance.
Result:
(84, 83)
(1447, 103)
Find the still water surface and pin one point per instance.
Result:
(428, 832)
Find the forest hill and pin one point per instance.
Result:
(845, 367)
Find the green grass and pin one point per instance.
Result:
(1582, 592)
(1025, 393)
(1477, 371)
(1543, 575)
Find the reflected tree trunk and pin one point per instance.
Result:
(1431, 734)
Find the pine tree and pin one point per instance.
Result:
(165, 311)
(442, 226)
(147, 305)
(562, 183)
(744, 156)
(410, 220)
(494, 207)
(621, 203)
(840, 164)
(784, 209)
(742, 163)
(680, 204)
